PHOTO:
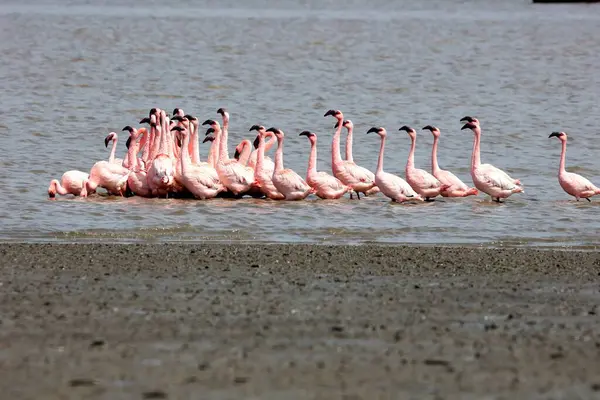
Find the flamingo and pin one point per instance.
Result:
(263, 174)
(326, 186)
(391, 185)
(242, 152)
(236, 177)
(287, 182)
(420, 180)
(350, 127)
(71, 182)
(137, 181)
(457, 187)
(574, 184)
(360, 179)
(198, 179)
(161, 172)
(110, 176)
(487, 178)
(268, 163)
(112, 136)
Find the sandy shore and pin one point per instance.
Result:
(297, 322)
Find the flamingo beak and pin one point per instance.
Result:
(221, 111)
(177, 128)
(209, 131)
(106, 141)
(145, 121)
(177, 118)
(208, 122)
(468, 125)
(189, 117)
(373, 129)
(405, 128)
(554, 134)
(337, 124)
(467, 118)
(208, 139)
(330, 112)
(236, 155)
(254, 128)
(127, 128)
(428, 128)
(128, 142)
(272, 129)
(305, 133)
(256, 141)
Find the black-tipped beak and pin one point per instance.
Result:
(128, 142)
(106, 141)
(272, 129)
(256, 141)
(405, 128)
(236, 155)
(177, 128)
(189, 117)
(209, 131)
(208, 139)
(428, 128)
(145, 121)
(468, 125)
(337, 124)
(373, 129)
(221, 111)
(254, 128)
(330, 112)
(305, 133)
(554, 134)
(209, 122)
(177, 118)
(127, 128)
(467, 118)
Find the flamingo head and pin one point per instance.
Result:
(337, 114)
(181, 130)
(411, 132)
(152, 112)
(111, 136)
(277, 132)
(214, 124)
(208, 139)
(470, 125)
(311, 136)
(239, 148)
(209, 131)
(224, 113)
(260, 129)
(560, 135)
(52, 189)
(470, 119)
(192, 119)
(380, 131)
(348, 124)
(178, 118)
(435, 131)
(178, 111)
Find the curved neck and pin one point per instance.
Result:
(195, 147)
(111, 158)
(434, 163)
(410, 164)
(563, 156)
(381, 149)
(349, 145)
(312, 159)
(475, 157)
(279, 155)
(336, 157)
(132, 153)
(185, 155)
(245, 153)
(271, 142)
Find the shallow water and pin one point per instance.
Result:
(72, 73)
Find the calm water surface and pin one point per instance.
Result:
(72, 72)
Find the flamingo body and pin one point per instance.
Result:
(71, 182)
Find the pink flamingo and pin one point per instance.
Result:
(268, 163)
(112, 136)
(137, 181)
(574, 184)
(457, 188)
(487, 178)
(391, 185)
(325, 186)
(263, 174)
(161, 173)
(420, 180)
(360, 179)
(110, 176)
(236, 177)
(196, 178)
(242, 152)
(71, 182)
(349, 139)
(287, 182)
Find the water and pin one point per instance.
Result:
(71, 73)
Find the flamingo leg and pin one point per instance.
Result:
(588, 199)
(358, 195)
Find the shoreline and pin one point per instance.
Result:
(297, 321)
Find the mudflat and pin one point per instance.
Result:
(219, 321)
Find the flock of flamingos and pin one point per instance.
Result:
(164, 161)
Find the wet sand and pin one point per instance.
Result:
(297, 322)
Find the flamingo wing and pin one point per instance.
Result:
(580, 183)
(496, 177)
(291, 180)
(448, 178)
(357, 173)
(325, 179)
(426, 180)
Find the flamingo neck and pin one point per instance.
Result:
(410, 164)
(271, 142)
(336, 156)
(279, 155)
(223, 153)
(111, 159)
(380, 160)
(349, 145)
(312, 159)
(563, 156)
(245, 153)
(132, 154)
(260, 156)
(185, 154)
(476, 157)
(434, 163)
(146, 146)
(195, 146)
